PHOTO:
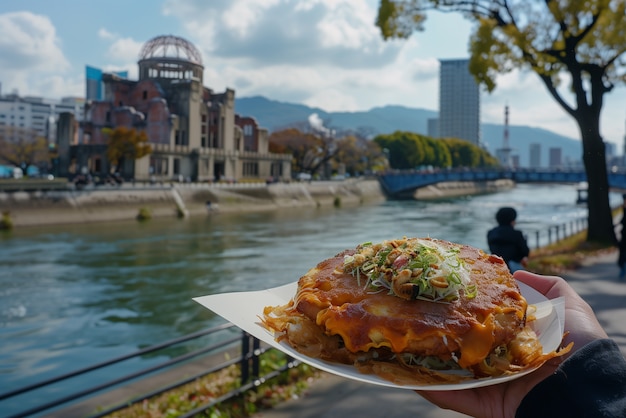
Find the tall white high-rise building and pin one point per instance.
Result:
(459, 101)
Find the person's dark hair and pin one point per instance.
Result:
(506, 215)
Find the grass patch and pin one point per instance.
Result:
(288, 385)
(144, 214)
(5, 221)
(567, 254)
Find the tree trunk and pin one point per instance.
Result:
(600, 219)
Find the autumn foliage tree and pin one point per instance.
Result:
(576, 48)
(23, 147)
(126, 144)
(309, 150)
(358, 155)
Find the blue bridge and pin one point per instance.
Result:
(404, 183)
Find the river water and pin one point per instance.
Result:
(71, 296)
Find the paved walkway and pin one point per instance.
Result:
(332, 396)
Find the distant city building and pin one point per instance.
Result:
(503, 154)
(555, 158)
(610, 149)
(193, 131)
(29, 117)
(515, 161)
(433, 127)
(535, 155)
(94, 84)
(624, 151)
(459, 101)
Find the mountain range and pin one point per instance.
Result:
(275, 115)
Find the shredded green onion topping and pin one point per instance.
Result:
(411, 268)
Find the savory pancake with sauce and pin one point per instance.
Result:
(413, 311)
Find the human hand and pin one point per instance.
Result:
(502, 400)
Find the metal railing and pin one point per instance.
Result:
(248, 361)
(555, 233)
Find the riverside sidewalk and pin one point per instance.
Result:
(335, 397)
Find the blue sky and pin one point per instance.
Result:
(323, 53)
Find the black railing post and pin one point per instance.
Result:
(549, 235)
(256, 369)
(537, 239)
(245, 351)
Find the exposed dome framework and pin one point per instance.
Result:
(169, 46)
(170, 57)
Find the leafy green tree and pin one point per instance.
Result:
(126, 144)
(403, 148)
(443, 157)
(581, 42)
(463, 153)
(408, 150)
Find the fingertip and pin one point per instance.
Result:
(538, 282)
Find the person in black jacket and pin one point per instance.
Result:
(507, 242)
(589, 381)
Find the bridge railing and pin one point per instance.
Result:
(404, 182)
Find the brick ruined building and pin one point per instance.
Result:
(194, 132)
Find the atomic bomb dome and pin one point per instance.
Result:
(169, 57)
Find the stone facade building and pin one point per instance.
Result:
(194, 132)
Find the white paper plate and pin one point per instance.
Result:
(245, 308)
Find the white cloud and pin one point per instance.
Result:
(337, 33)
(122, 53)
(331, 99)
(349, 24)
(29, 39)
(323, 53)
(124, 50)
(242, 16)
(105, 34)
(29, 47)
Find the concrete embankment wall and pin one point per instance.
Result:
(111, 204)
(462, 188)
